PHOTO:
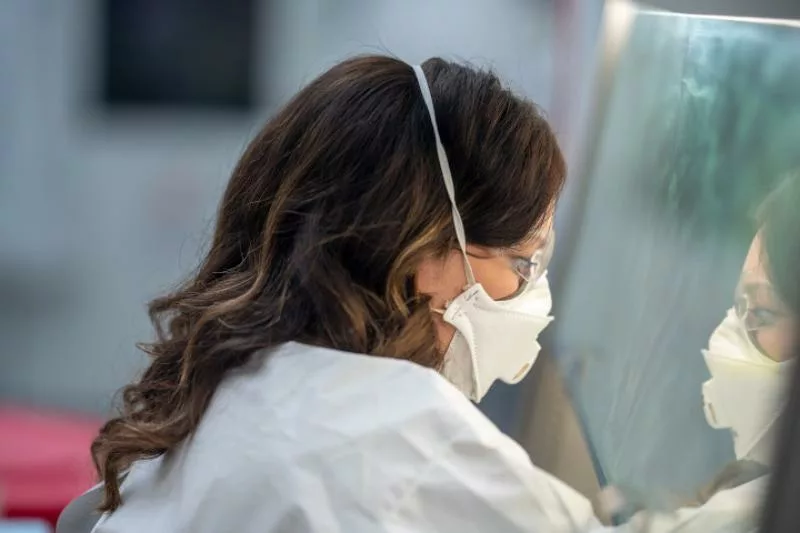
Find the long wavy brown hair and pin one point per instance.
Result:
(323, 223)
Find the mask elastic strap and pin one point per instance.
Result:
(444, 164)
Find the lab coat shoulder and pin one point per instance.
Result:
(444, 466)
(481, 480)
(315, 440)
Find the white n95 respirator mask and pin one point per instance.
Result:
(746, 392)
(494, 339)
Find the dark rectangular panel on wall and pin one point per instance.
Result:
(178, 53)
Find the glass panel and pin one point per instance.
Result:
(703, 120)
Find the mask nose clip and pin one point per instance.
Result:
(522, 371)
(711, 416)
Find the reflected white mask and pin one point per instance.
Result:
(494, 339)
(746, 392)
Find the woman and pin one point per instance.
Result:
(366, 246)
(751, 351)
(750, 358)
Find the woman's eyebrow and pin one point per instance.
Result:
(762, 290)
(753, 286)
(535, 242)
(756, 289)
(528, 250)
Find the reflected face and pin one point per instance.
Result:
(769, 323)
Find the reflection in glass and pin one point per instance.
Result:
(703, 121)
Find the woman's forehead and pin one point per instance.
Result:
(538, 240)
(754, 268)
(543, 234)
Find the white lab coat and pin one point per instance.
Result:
(309, 439)
(734, 510)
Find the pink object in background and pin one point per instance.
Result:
(44, 461)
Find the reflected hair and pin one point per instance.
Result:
(318, 235)
(779, 218)
(779, 221)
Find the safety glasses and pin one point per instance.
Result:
(764, 317)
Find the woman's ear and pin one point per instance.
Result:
(442, 278)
